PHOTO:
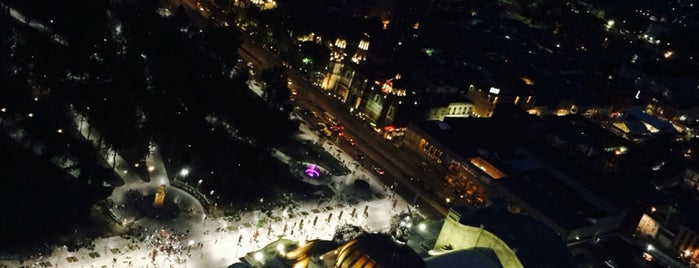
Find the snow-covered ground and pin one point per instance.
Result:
(216, 242)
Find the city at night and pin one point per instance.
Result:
(349, 133)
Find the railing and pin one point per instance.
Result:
(193, 191)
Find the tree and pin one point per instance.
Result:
(277, 92)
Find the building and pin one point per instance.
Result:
(485, 101)
(496, 157)
(485, 238)
(516, 240)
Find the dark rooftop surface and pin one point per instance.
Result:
(552, 197)
(535, 244)
(465, 136)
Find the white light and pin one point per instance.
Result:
(3, 109)
(184, 172)
(259, 257)
(151, 168)
(191, 242)
(650, 247)
(280, 248)
(422, 226)
(30, 115)
(494, 90)
(59, 130)
(212, 192)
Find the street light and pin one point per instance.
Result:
(199, 184)
(184, 172)
(259, 257)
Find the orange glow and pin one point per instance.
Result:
(527, 81)
(488, 168)
(385, 24)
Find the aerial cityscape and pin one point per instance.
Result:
(349, 133)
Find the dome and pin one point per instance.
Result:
(312, 248)
(376, 250)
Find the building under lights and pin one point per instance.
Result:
(484, 238)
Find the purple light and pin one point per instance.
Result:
(312, 171)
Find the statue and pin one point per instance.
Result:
(159, 197)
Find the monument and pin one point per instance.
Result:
(159, 197)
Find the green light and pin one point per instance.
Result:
(306, 60)
(428, 51)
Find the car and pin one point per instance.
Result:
(379, 170)
(351, 141)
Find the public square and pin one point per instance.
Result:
(195, 238)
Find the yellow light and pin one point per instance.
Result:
(668, 54)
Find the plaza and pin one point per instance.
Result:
(195, 237)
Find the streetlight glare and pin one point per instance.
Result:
(422, 226)
(259, 257)
(280, 248)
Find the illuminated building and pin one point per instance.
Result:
(452, 109)
(484, 102)
(487, 238)
(369, 250)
